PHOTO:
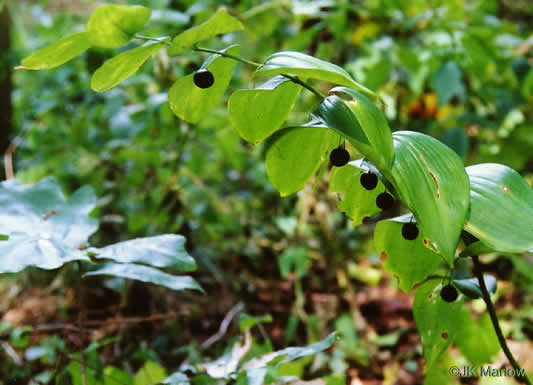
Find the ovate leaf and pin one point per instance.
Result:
(447, 82)
(294, 155)
(57, 53)
(166, 250)
(501, 208)
(437, 321)
(300, 64)
(356, 202)
(470, 286)
(221, 22)
(112, 26)
(408, 260)
(190, 102)
(477, 350)
(430, 179)
(150, 374)
(146, 274)
(354, 116)
(259, 112)
(122, 66)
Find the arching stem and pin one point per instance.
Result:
(495, 323)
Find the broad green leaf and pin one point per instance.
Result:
(408, 260)
(115, 376)
(166, 250)
(294, 259)
(437, 321)
(476, 248)
(470, 286)
(477, 350)
(221, 22)
(294, 154)
(112, 26)
(44, 229)
(145, 274)
(439, 373)
(57, 53)
(190, 102)
(259, 112)
(357, 202)
(501, 208)
(122, 66)
(150, 374)
(431, 181)
(309, 67)
(447, 82)
(354, 116)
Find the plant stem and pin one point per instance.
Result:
(494, 319)
(294, 79)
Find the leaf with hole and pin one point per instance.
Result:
(57, 53)
(408, 260)
(431, 181)
(145, 274)
(111, 26)
(501, 208)
(354, 116)
(259, 112)
(309, 67)
(294, 154)
(190, 102)
(122, 66)
(436, 320)
(221, 22)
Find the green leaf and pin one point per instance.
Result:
(294, 259)
(57, 53)
(122, 66)
(447, 82)
(357, 202)
(476, 248)
(300, 64)
(437, 321)
(166, 250)
(501, 208)
(431, 181)
(150, 374)
(477, 350)
(408, 260)
(176, 378)
(145, 274)
(112, 26)
(361, 122)
(294, 154)
(259, 112)
(115, 376)
(221, 22)
(470, 286)
(190, 102)
(44, 229)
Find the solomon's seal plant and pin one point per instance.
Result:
(488, 203)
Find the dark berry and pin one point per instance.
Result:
(339, 157)
(409, 231)
(369, 180)
(448, 293)
(203, 78)
(384, 201)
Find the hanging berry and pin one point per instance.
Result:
(384, 201)
(448, 293)
(203, 78)
(409, 231)
(369, 180)
(339, 157)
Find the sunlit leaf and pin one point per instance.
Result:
(151, 373)
(122, 66)
(309, 67)
(190, 102)
(259, 112)
(221, 22)
(355, 117)
(112, 26)
(501, 208)
(430, 179)
(408, 260)
(57, 53)
(145, 274)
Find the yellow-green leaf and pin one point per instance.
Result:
(112, 26)
(57, 53)
(221, 22)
